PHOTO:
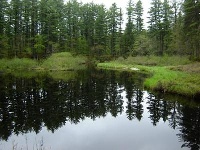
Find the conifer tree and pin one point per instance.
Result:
(3, 22)
(113, 28)
(192, 26)
(139, 20)
(129, 29)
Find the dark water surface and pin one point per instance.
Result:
(93, 110)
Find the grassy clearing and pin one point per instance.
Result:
(169, 75)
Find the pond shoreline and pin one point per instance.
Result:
(166, 75)
(165, 79)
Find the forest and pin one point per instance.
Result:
(38, 28)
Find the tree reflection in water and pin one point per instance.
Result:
(28, 104)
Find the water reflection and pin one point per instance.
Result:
(28, 104)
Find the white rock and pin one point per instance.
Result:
(135, 69)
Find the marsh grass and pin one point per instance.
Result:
(156, 60)
(166, 74)
(189, 68)
(38, 145)
(18, 64)
(56, 62)
(169, 81)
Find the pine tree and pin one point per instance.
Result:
(72, 24)
(26, 23)
(16, 24)
(160, 21)
(139, 13)
(167, 24)
(120, 34)
(100, 29)
(3, 22)
(176, 44)
(113, 26)
(129, 32)
(192, 26)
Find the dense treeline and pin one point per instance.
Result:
(37, 28)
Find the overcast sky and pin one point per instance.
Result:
(123, 4)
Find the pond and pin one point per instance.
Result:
(93, 110)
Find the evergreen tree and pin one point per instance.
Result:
(139, 13)
(129, 30)
(120, 42)
(43, 28)
(26, 23)
(100, 30)
(72, 24)
(160, 21)
(33, 25)
(176, 46)
(167, 23)
(155, 26)
(192, 26)
(16, 25)
(3, 22)
(113, 27)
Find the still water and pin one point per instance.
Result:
(93, 110)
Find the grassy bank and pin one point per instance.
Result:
(59, 62)
(63, 62)
(17, 64)
(166, 74)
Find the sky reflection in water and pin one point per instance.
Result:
(122, 102)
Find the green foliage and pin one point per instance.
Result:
(82, 46)
(160, 21)
(114, 24)
(192, 26)
(139, 12)
(32, 28)
(129, 36)
(142, 45)
(39, 44)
